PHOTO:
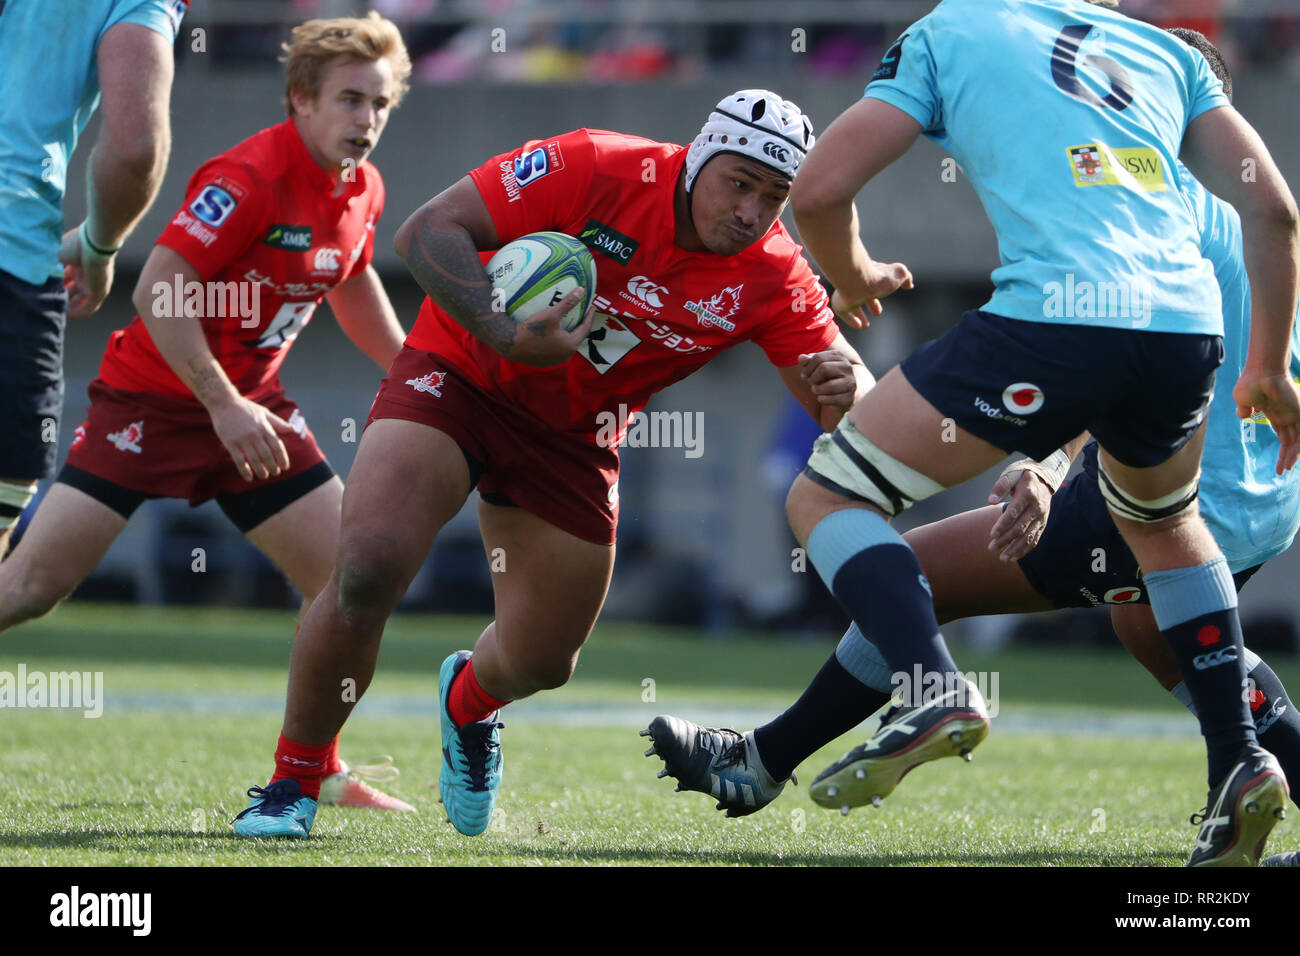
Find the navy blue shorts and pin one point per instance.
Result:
(1032, 386)
(1081, 559)
(32, 318)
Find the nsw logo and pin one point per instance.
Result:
(1088, 167)
(213, 206)
(1022, 398)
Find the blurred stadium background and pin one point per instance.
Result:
(703, 540)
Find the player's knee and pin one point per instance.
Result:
(367, 585)
(34, 593)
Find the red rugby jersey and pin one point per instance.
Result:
(261, 215)
(665, 311)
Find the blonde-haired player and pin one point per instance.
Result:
(191, 406)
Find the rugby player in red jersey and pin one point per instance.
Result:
(268, 228)
(691, 260)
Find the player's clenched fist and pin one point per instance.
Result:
(249, 432)
(832, 377)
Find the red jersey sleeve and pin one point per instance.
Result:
(541, 186)
(223, 214)
(802, 320)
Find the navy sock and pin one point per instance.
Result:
(876, 577)
(1277, 725)
(834, 703)
(1196, 609)
(1276, 722)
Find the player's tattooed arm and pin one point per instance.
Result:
(446, 264)
(206, 379)
(440, 243)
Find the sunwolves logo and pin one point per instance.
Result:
(431, 383)
(293, 238)
(605, 239)
(718, 310)
(128, 439)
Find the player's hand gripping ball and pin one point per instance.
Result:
(538, 270)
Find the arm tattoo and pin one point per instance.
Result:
(205, 380)
(447, 266)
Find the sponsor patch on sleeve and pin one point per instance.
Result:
(532, 165)
(1096, 164)
(888, 68)
(213, 205)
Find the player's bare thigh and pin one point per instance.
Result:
(549, 588)
(966, 578)
(302, 538)
(898, 419)
(66, 539)
(408, 480)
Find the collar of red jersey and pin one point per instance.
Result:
(319, 178)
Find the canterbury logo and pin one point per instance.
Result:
(327, 260)
(647, 291)
(779, 153)
(1268, 720)
(1214, 659)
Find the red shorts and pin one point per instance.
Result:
(562, 478)
(165, 446)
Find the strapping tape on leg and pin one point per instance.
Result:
(849, 464)
(1148, 512)
(13, 499)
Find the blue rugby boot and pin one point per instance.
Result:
(471, 759)
(279, 809)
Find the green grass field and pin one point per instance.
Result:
(1089, 763)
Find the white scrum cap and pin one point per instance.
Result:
(754, 123)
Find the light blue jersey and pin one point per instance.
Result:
(49, 87)
(1068, 119)
(1252, 512)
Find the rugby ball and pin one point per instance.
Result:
(536, 271)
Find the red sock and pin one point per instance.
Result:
(332, 762)
(305, 763)
(467, 701)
